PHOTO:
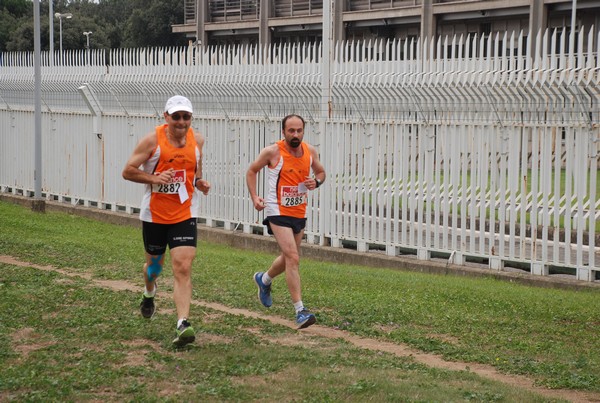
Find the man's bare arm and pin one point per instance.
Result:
(141, 153)
(318, 170)
(200, 183)
(263, 160)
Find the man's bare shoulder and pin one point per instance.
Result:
(149, 140)
(310, 147)
(198, 137)
(271, 149)
(270, 155)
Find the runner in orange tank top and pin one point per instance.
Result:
(169, 162)
(288, 162)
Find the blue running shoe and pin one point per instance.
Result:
(304, 319)
(264, 291)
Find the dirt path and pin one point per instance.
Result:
(399, 350)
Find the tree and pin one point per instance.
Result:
(12, 14)
(114, 23)
(114, 14)
(18, 8)
(8, 24)
(150, 23)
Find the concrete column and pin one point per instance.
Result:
(201, 16)
(339, 33)
(538, 20)
(428, 23)
(264, 33)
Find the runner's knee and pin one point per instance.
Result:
(291, 258)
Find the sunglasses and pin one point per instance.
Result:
(178, 116)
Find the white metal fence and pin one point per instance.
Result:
(465, 148)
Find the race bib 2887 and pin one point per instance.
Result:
(172, 187)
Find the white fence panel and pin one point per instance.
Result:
(468, 148)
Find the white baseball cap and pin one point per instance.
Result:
(178, 103)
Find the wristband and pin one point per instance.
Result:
(196, 181)
(318, 182)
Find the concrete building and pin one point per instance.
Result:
(219, 22)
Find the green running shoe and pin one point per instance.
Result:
(185, 334)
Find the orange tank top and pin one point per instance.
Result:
(176, 201)
(287, 195)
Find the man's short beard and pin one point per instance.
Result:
(295, 143)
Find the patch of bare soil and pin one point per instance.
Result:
(25, 341)
(137, 356)
(399, 350)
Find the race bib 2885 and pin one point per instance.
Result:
(291, 197)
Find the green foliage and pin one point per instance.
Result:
(17, 8)
(11, 12)
(113, 23)
(8, 24)
(150, 23)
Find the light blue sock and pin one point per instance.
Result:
(298, 306)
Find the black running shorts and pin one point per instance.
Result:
(158, 236)
(296, 224)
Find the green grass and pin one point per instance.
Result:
(63, 338)
(68, 341)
